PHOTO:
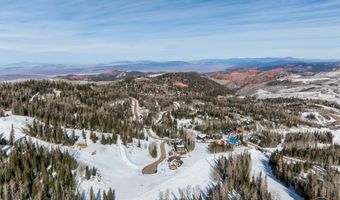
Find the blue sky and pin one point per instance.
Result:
(101, 31)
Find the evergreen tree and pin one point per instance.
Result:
(11, 136)
(111, 194)
(92, 196)
(94, 171)
(87, 173)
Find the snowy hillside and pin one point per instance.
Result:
(120, 166)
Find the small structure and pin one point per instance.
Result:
(220, 97)
(175, 162)
(234, 141)
(201, 137)
(180, 149)
(240, 130)
(81, 146)
(217, 136)
(176, 142)
(172, 152)
(247, 120)
(220, 142)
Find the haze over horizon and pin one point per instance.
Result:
(90, 32)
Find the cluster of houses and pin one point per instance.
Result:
(178, 150)
(227, 136)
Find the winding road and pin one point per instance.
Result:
(152, 168)
(134, 108)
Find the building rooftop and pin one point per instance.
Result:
(233, 140)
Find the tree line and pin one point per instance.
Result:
(310, 180)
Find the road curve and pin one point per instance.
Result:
(152, 168)
(134, 107)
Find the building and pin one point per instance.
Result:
(180, 149)
(81, 146)
(202, 136)
(175, 162)
(234, 141)
(228, 131)
(220, 142)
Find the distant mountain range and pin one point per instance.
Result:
(29, 70)
(108, 76)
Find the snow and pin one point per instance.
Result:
(119, 166)
(159, 117)
(319, 118)
(183, 122)
(155, 75)
(336, 134)
(287, 93)
(308, 80)
(20, 122)
(57, 92)
(121, 102)
(139, 156)
(34, 96)
(124, 157)
(260, 164)
(177, 105)
(135, 108)
(120, 75)
(321, 86)
(118, 172)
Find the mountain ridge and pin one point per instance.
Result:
(28, 70)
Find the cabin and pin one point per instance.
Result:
(81, 146)
(175, 162)
(180, 149)
(202, 137)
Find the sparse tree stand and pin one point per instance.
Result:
(93, 137)
(153, 149)
(154, 152)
